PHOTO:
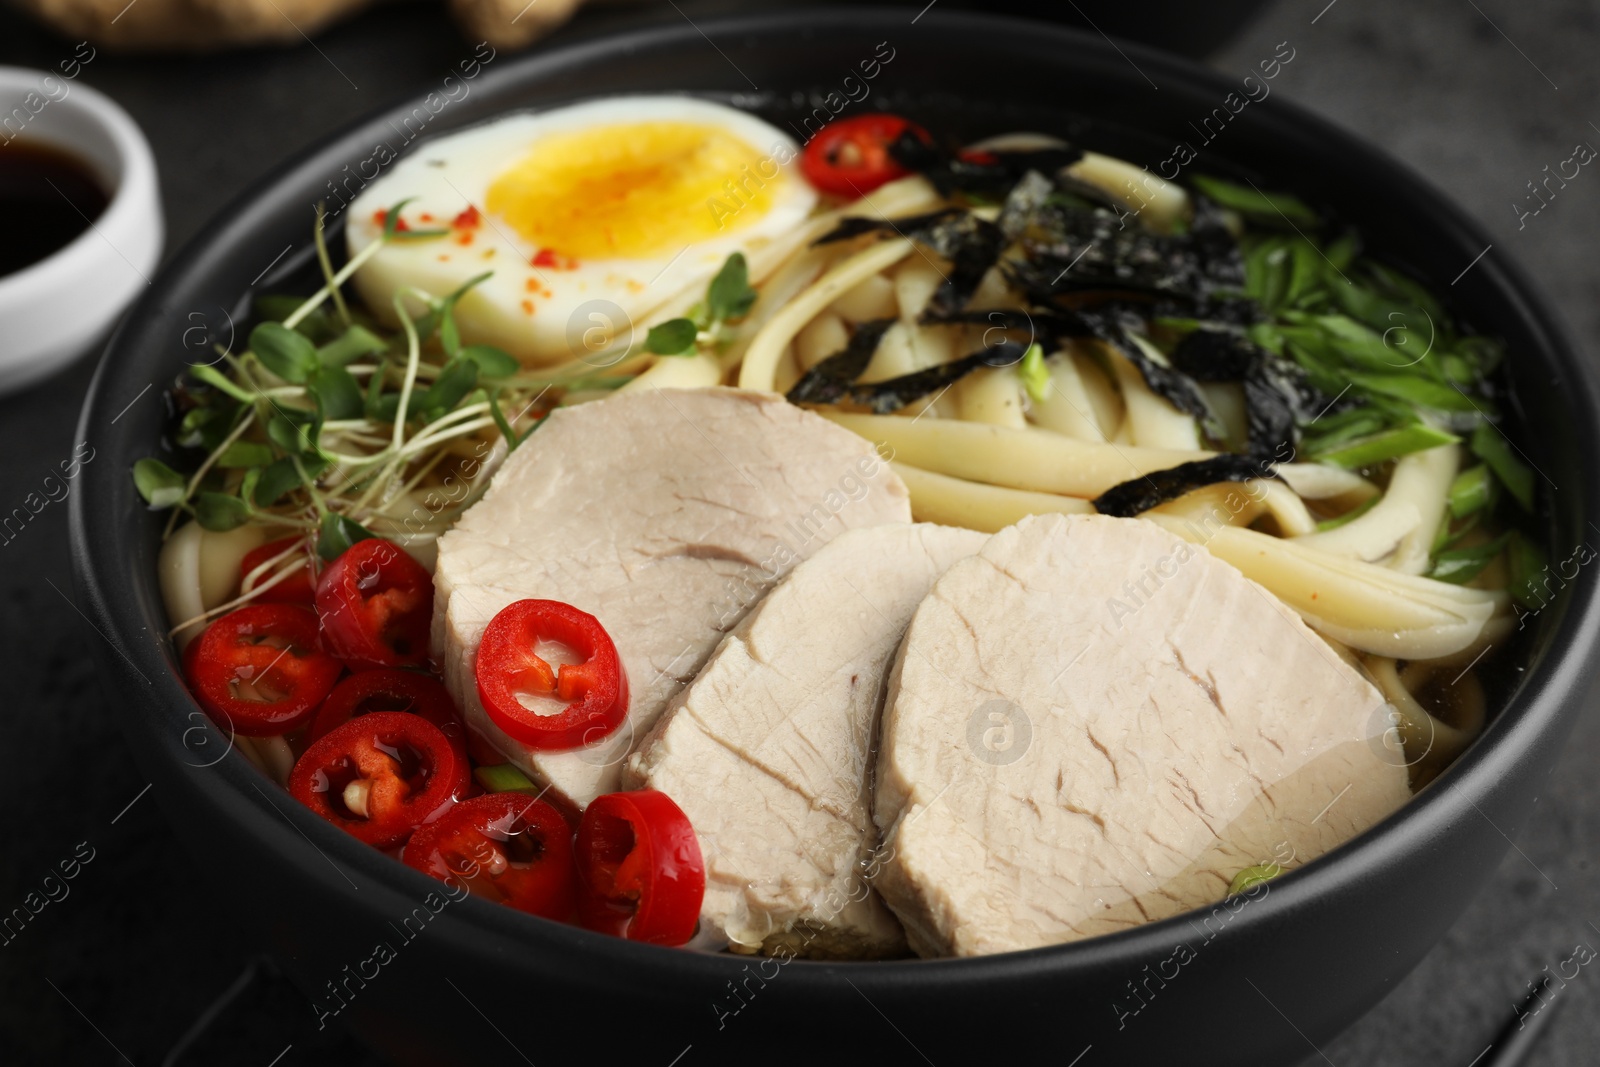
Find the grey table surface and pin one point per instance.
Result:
(1479, 95)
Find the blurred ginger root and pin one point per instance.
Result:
(210, 25)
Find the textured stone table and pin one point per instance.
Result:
(132, 957)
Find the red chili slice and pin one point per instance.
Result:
(390, 689)
(380, 776)
(640, 869)
(260, 670)
(376, 604)
(507, 847)
(850, 157)
(298, 588)
(509, 664)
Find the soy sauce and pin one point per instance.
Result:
(47, 197)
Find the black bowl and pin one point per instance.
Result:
(1252, 984)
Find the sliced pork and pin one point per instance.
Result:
(1093, 724)
(666, 515)
(769, 750)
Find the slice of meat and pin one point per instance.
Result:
(665, 514)
(1093, 724)
(769, 750)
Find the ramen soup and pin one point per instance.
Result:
(875, 547)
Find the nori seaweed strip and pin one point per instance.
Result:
(1176, 387)
(1071, 248)
(972, 245)
(1278, 397)
(855, 225)
(885, 397)
(1138, 495)
(830, 379)
(1216, 356)
(989, 173)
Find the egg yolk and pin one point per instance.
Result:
(633, 190)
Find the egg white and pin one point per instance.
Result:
(545, 315)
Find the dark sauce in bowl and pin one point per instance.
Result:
(48, 196)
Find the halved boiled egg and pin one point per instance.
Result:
(591, 217)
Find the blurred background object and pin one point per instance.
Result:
(1189, 28)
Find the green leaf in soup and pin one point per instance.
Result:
(1271, 209)
(293, 435)
(159, 485)
(317, 326)
(220, 511)
(458, 378)
(355, 342)
(729, 295)
(1491, 446)
(449, 333)
(338, 534)
(289, 355)
(384, 408)
(245, 454)
(203, 372)
(675, 337)
(336, 392)
(492, 362)
(1459, 566)
(282, 475)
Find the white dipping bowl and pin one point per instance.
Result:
(55, 310)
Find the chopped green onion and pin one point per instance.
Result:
(1034, 374)
(1460, 565)
(1471, 491)
(505, 778)
(1273, 209)
(1491, 446)
(1391, 444)
(1253, 876)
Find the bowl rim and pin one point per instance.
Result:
(1530, 716)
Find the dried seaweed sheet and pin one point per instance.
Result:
(886, 397)
(829, 381)
(1138, 495)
